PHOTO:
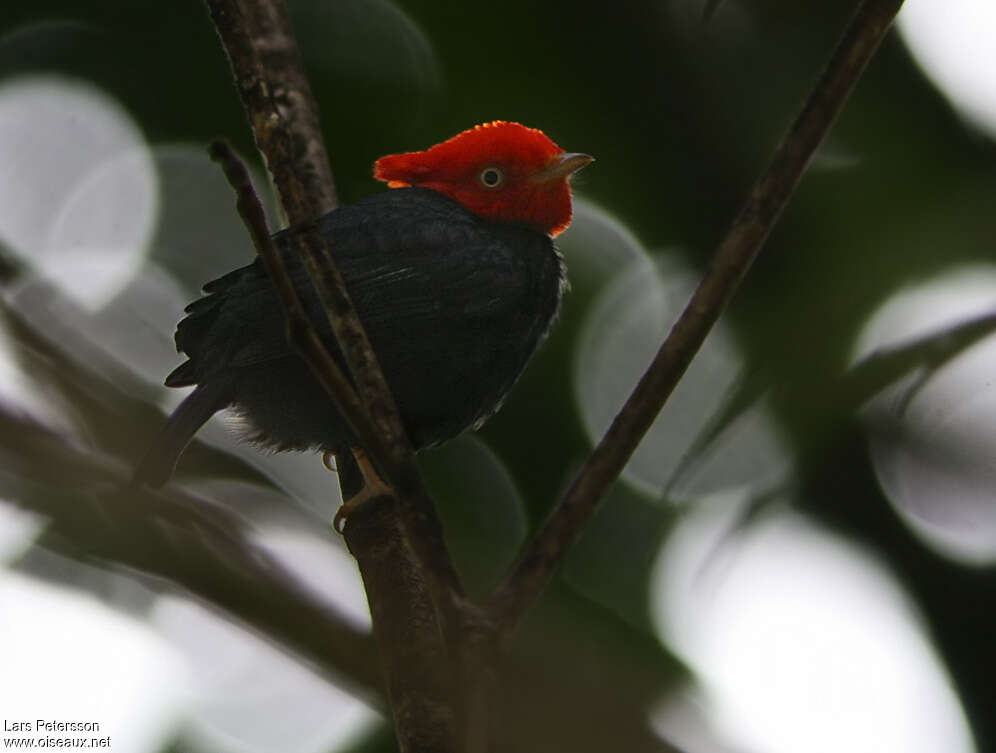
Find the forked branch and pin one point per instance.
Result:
(260, 44)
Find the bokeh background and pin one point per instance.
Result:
(799, 558)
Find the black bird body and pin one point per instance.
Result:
(454, 306)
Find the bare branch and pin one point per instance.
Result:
(183, 538)
(406, 629)
(866, 29)
(260, 43)
(301, 331)
(259, 40)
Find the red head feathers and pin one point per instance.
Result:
(501, 171)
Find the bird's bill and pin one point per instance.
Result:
(561, 166)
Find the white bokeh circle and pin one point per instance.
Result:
(955, 44)
(799, 640)
(78, 190)
(932, 435)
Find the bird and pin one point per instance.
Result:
(453, 273)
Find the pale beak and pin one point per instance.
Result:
(561, 166)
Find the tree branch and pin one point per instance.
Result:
(260, 44)
(181, 537)
(406, 629)
(769, 196)
(302, 334)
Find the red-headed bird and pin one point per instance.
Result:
(454, 275)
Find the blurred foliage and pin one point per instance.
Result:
(681, 113)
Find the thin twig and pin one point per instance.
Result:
(260, 44)
(284, 115)
(406, 625)
(535, 567)
(259, 41)
(302, 333)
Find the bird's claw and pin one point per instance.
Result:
(373, 486)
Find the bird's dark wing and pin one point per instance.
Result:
(422, 273)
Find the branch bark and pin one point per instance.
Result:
(737, 251)
(259, 41)
(284, 116)
(301, 333)
(406, 630)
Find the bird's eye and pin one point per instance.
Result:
(491, 177)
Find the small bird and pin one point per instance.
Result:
(454, 275)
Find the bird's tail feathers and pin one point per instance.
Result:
(156, 466)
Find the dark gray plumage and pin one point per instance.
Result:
(454, 307)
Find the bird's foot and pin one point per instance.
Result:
(373, 486)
